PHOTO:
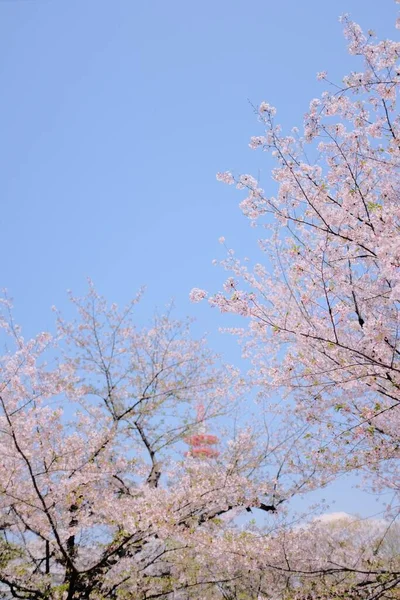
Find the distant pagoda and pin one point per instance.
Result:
(201, 444)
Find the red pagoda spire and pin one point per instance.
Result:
(201, 443)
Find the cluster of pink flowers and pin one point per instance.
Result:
(197, 295)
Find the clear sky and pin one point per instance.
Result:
(116, 115)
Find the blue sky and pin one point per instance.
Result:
(115, 117)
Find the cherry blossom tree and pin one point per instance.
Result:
(324, 318)
(323, 307)
(101, 492)
(328, 558)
